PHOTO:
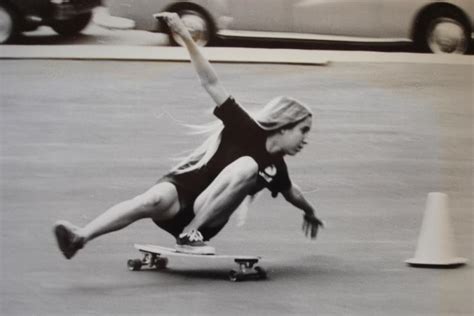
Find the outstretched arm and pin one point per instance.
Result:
(204, 69)
(311, 223)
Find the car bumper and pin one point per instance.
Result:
(64, 10)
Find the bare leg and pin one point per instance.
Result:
(216, 204)
(159, 203)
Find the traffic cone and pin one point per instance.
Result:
(436, 247)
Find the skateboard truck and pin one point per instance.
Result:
(247, 270)
(153, 261)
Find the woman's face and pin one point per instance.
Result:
(293, 140)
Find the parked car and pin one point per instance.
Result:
(433, 25)
(66, 17)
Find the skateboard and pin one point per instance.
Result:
(156, 257)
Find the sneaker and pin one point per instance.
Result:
(68, 241)
(193, 243)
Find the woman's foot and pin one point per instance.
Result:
(69, 242)
(193, 243)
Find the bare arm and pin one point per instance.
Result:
(311, 223)
(204, 69)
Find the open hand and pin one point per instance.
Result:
(311, 225)
(174, 23)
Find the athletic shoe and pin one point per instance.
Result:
(68, 241)
(193, 243)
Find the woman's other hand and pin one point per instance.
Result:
(311, 225)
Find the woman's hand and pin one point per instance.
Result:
(174, 23)
(311, 225)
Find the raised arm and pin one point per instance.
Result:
(204, 69)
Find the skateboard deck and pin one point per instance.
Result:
(156, 257)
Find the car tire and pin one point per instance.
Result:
(8, 24)
(72, 26)
(444, 31)
(198, 25)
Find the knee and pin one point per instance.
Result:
(244, 169)
(148, 200)
(158, 196)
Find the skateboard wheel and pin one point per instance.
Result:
(235, 276)
(262, 274)
(161, 263)
(134, 264)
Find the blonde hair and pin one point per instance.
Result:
(281, 112)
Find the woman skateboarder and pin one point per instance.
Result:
(196, 198)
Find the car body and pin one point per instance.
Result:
(437, 26)
(67, 17)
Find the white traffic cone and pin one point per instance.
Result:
(436, 241)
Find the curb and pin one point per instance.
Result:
(166, 54)
(222, 55)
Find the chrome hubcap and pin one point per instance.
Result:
(197, 26)
(6, 25)
(447, 36)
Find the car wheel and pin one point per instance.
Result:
(8, 24)
(72, 26)
(198, 25)
(445, 32)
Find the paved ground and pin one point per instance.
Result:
(79, 136)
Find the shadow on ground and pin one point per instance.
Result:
(400, 47)
(277, 269)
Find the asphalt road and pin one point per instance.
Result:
(79, 136)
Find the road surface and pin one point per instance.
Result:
(79, 136)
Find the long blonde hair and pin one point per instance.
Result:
(281, 112)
